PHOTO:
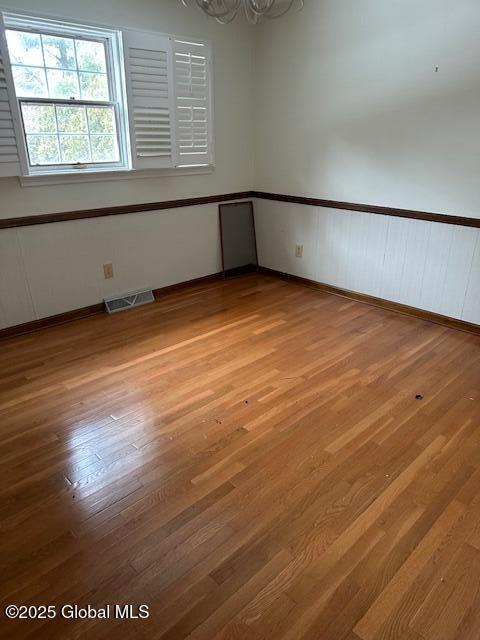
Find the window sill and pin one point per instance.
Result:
(107, 176)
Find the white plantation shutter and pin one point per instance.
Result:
(169, 104)
(9, 153)
(193, 108)
(149, 80)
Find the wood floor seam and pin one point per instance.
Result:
(253, 460)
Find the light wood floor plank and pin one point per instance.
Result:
(249, 459)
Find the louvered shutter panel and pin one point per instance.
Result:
(9, 154)
(193, 109)
(149, 80)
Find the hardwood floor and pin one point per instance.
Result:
(248, 458)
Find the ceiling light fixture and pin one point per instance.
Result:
(226, 10)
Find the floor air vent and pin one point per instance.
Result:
(129, 300)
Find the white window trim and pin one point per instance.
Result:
(94, 174)
(106, 175)
(115, 66)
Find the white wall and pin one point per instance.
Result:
(52, 268)
(349, 106)
(427, 265)
(49, 269)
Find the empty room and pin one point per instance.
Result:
(240, 320)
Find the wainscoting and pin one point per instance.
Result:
(49, 269)
(429, 265)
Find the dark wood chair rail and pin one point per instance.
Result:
(47, 218)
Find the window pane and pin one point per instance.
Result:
(30, 82)
(75, 148)
(24, 48)
(58, 52)
(101, 120)
(90, 56)
(39, 118)
(56, 77)
(43, 149)
(104, 149)
(94, 86)
(63, 84)
(71, 119)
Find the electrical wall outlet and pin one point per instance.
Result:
(299, 251)
(108, 271)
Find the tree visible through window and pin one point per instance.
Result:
(65, 98)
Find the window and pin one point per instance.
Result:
(76, 98)
(69, 96)
(65, 99)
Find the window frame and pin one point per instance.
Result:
(17, 163)
(112, 41)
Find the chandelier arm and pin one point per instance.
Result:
(228, 19)
(223, 9)
(252, 17)
(259, 11)
(273, 16)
